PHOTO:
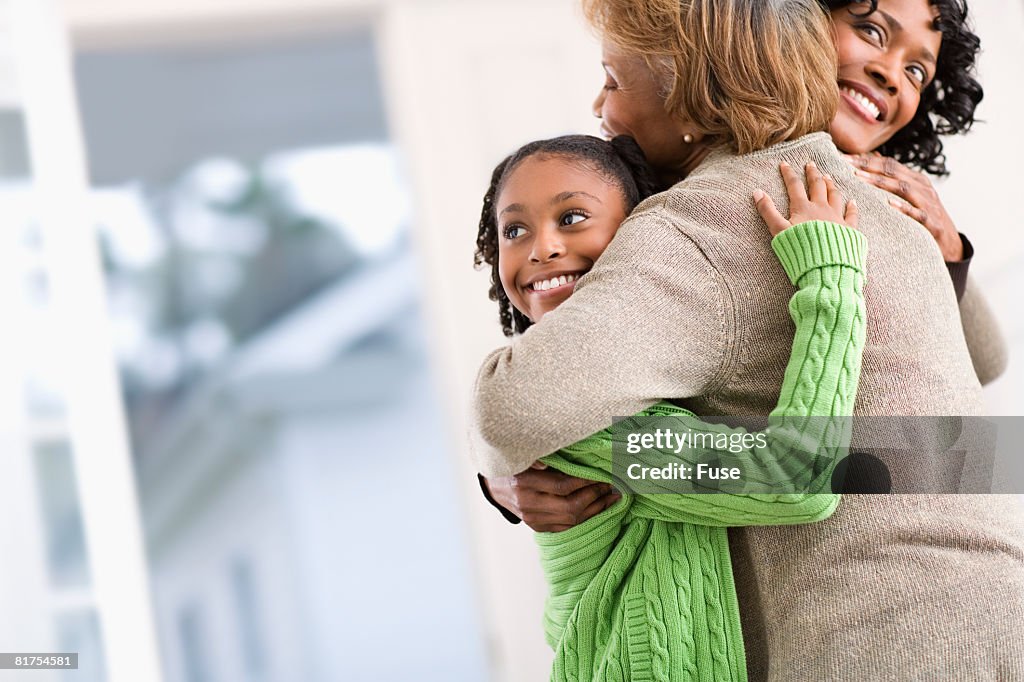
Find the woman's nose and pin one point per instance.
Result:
(884, 73)
(598, 103)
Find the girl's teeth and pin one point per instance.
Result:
(546, 284)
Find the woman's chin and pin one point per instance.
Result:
(849, 136)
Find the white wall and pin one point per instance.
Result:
(467, 83)
(983, 192)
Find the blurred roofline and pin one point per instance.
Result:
(323, 326)
(110, 25)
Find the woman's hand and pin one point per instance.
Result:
(914, 195)
(549, 501)
(819, 201)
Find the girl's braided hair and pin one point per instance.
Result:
(948, 102)
(621, 162)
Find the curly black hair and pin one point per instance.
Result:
(949, 101)
(620, 161)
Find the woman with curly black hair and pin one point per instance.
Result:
(906, 76)
(924, 53)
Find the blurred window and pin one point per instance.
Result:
(193, 644)
(65, 538)
(79, 631)
(250, 622)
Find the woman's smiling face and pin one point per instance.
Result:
(886, 59)
(555, 218)
(630, 103)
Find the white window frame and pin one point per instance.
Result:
(96, 422)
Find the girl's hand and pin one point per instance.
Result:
(819, 201)
(549, 501)
(914, 195)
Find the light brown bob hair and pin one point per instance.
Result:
(751, 73)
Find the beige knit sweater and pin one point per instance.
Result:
(689, 303)
(989, 353)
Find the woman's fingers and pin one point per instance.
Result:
(877, 164)
(914, 195)
(910, 210)
(888, 174)
(550, 501)
(549, 481)
(550, 513)
(902, 188)
(771, 216)
(599, 505)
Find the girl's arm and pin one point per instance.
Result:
(826, 261)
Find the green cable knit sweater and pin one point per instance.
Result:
(644, 590)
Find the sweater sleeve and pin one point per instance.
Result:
(651, 320)
(984, 338)
(827, 263)
(985, 341)
(958, 269)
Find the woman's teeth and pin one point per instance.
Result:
(545, 284)
(864, 102)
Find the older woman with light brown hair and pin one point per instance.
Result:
(688, 303)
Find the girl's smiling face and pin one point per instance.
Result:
(555, 217)
(886, 59)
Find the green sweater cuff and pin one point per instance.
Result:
(817, 244)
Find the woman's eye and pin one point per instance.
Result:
(573, 217)
(918, 74)
(514, 231)
(873, 32)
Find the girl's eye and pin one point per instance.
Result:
(918, 74)
(514, 231)
(573, 217)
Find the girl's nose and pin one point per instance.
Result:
(548, 246)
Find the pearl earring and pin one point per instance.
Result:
(688, 138)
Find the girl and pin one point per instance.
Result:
(645, 590)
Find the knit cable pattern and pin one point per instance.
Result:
(644, 590)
